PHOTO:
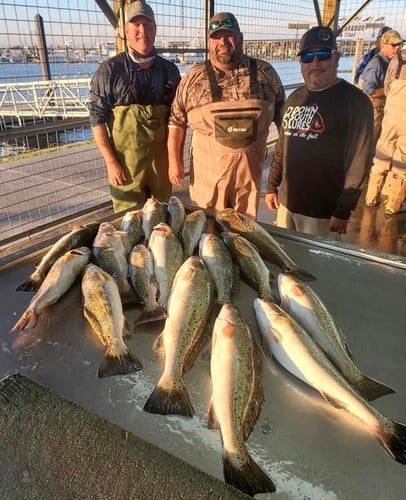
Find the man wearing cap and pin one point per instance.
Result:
(325, 144)
(368, 56)
(129, 104)
(374, 75)
(388, 173)
(229, 103)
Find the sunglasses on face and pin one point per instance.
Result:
(227, 23)
(322, 55)
(396, 44)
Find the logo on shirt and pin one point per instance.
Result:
(303, 121)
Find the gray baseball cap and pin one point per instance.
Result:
(138, 8)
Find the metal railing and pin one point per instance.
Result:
(45, 99)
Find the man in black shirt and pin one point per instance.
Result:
(325, 146)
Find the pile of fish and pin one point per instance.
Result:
(183, 269)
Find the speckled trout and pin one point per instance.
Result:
(192, 228)
(80, 236)
(183, 336)
(267, 246)
(219, 262)
(102, 307)
(303, 304)
(131, 223)
(176, 214)
(237, 399)
(141, 270)
(296, 350)
(57, 282)
(153, 212)
(250, 263)
(167, 254)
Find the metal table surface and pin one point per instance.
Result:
(308, 448)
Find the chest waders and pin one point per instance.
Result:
(228, 149)
(138, 134)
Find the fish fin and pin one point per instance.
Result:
(333, 401)
(212, 421)
(371, 389)
(29, 319)
(119, 365)
(158, 313)
(173, 401)
(127, 330)
(158, 347)
(30, 285)
(247, 476)
(301, 274)
(395, 441)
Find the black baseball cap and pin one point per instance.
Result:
(319, 37)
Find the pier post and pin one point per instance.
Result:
(43, 51)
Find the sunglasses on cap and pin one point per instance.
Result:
(322, 55)
(227, 23)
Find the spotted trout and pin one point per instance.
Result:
(237, 399)
(182, 338)
(80, 236)
(300, 301)
(267, 246)
(296, 350)
(57, 282)
(102, 307)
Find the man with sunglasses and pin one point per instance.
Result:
(373, 76)
(325, 144)
(229, 102)
(129, 103)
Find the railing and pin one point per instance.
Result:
(44, 99)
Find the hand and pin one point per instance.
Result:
(116, 174)
(338, 225)
(176, 173)
(272, 201)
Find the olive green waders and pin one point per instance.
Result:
(138, 134)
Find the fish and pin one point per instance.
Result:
(80, 236)
(267, 246)
(296, 350)
(153, 212)
(167, 254)
(237, 399)
(110, 253)
(191, 231)
(219, 262)
(141, 271)
(301, 302)
(183, 335)
(176, 214)
(57, 282)
(103, 309)
(131, 223)
(250, 263)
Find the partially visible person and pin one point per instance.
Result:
(374, 75)
(229, 103)
(368, 56)
(388, 172)
(129, 104)
(325, 144)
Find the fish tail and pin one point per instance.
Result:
(156, 313)
(301, 274)
(371, 389)
(395, 441)
(173, 401)
(29, 319)
(119, 365)
(31, 285)
(248, 477)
